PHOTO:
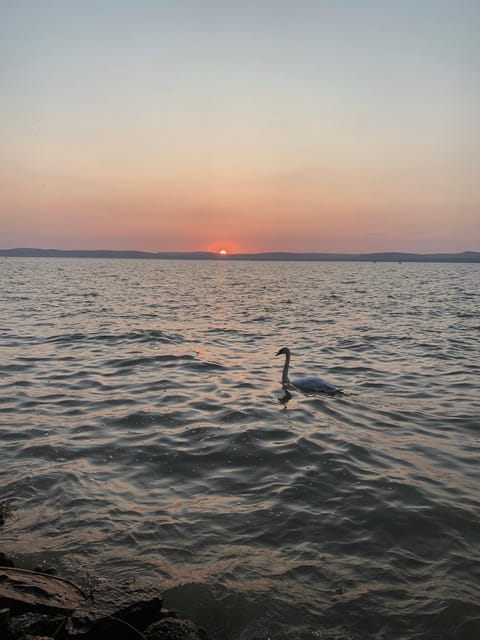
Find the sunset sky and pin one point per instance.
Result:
(306, 125)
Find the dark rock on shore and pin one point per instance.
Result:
(29, 637)
(44, 606)
(115, 608)
(22, 590)
(174, 629)
(33, 625)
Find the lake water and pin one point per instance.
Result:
(143, 432)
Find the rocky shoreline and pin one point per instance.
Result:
(39, 605)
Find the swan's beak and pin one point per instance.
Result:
(279, 353)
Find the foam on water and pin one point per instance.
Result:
(142, 433)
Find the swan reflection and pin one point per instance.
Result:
(285, 398)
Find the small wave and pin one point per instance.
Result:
(147, 335)
(144, 360)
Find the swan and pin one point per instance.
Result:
(307, 384)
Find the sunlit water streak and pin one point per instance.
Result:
(142, 433)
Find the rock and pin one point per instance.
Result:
(33, 624)
(135, 603)
(174, 629)
(4, 619)
(23, 590)
(57, 608)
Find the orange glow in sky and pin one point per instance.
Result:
(319, 126)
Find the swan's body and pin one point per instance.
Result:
(307, 384)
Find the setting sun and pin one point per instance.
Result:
(223, 252)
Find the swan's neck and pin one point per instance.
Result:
(285, 379)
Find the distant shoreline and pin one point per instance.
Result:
(463, 257)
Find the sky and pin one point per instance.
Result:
(306, 125)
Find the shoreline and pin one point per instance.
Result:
(41, 604)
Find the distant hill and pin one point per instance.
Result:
(465, 256)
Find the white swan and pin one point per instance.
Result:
(307, 384)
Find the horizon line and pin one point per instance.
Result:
(230, 253)
(462, 256)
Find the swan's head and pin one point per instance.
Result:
(285, 351)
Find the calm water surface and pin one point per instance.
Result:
(143, 431)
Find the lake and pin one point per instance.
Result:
(144, 431)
